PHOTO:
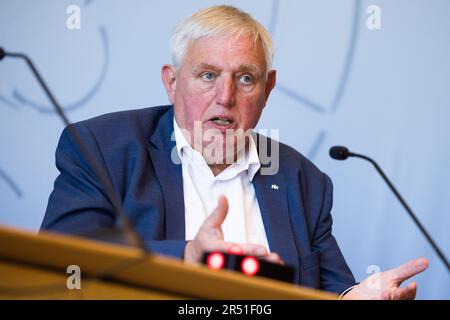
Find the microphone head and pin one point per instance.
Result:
(2, 53)
(339, 153)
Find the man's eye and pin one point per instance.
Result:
(246, 79)
(208, 76)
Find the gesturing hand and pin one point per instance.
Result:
(210, 238)
(386, 285)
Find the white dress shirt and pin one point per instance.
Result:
(202, 189)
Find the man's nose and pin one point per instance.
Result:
(226, 92)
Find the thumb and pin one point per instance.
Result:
(217, 217)
(408, 269)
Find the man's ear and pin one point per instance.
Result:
(270, 83)
(168, 76)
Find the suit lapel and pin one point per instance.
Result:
(169, 175)
(272, 199)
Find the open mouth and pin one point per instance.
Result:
(222, 121)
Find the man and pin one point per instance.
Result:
(191, 180)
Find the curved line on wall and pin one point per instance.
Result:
(10, 183)
(302, 99)
(349, 57)
(83, 100)
(343, 80)
(317, 144)
(9, 102)
(274, 16)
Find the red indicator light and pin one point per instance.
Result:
(250, 266)
(215, 261)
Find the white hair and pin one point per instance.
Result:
(218, 21)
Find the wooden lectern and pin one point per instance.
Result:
(34, 267)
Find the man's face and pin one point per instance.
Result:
(222, 84)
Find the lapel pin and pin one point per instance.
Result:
(275, 187)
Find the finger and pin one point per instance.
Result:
(217, 217)
(408, 269)
(399, 294)
(231, 247)
(389, 294)
(274, 257)
(242, 248)
(219, 246)
(386, 295)
(411, 290)
(254, 249)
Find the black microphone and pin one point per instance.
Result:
(339, 153)
(123, 233)
(342, 153)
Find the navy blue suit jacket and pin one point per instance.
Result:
(134, 148)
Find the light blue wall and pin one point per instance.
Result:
(384, 93)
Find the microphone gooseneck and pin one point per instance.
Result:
(122, 222)
(342, 153)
